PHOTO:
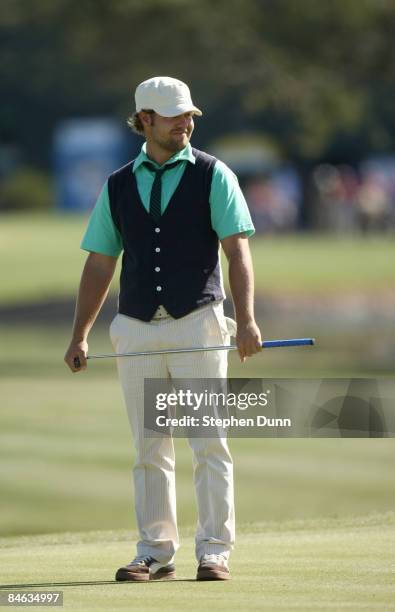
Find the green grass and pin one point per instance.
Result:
(66, 456)
(41, 259)
(66, 450)
(40, 255)
(305, 565)
(324, 264)
(37, 351)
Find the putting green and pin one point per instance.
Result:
(307, 565)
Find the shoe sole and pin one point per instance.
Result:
(210, 574)
(125, 576)
(163, 576)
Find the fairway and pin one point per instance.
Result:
(314, 517)
(302, 565)
(66, 455)
(312, 263)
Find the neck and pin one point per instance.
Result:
(157, 154)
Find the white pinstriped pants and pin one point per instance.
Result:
(154, 476)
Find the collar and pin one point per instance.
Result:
(183, 155)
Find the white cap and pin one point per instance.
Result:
(166, 96)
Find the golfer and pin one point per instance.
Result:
(167, 211)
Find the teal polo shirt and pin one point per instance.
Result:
(229, 210)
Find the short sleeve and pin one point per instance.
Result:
(229, 210)
(101, 235)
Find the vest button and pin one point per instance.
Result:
(157, 269)
(157, 229)
(157, 250)
(159, 288)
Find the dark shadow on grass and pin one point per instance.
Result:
(4, 587)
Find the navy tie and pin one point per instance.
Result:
(156, 191)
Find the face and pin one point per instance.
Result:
(169, 133)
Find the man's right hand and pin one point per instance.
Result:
(75, 356)
(95, 281)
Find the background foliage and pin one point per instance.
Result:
(317, 76)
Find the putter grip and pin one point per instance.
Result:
(77, 363)
(288, 342)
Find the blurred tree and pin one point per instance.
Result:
(26, 189)
(316, 76)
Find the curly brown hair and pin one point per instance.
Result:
(135, 123)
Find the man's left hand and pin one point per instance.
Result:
(248, 339)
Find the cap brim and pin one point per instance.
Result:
(174, 111)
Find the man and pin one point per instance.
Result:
(167, 211)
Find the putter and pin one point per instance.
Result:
(200, 349)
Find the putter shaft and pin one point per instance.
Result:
(199, 349)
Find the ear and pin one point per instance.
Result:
(146, 118)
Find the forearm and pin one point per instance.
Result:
(93, 290)
(241, 281)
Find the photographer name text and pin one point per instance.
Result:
(259, 420)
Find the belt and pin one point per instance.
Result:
(161, 312)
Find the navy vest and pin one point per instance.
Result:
(173, 262)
